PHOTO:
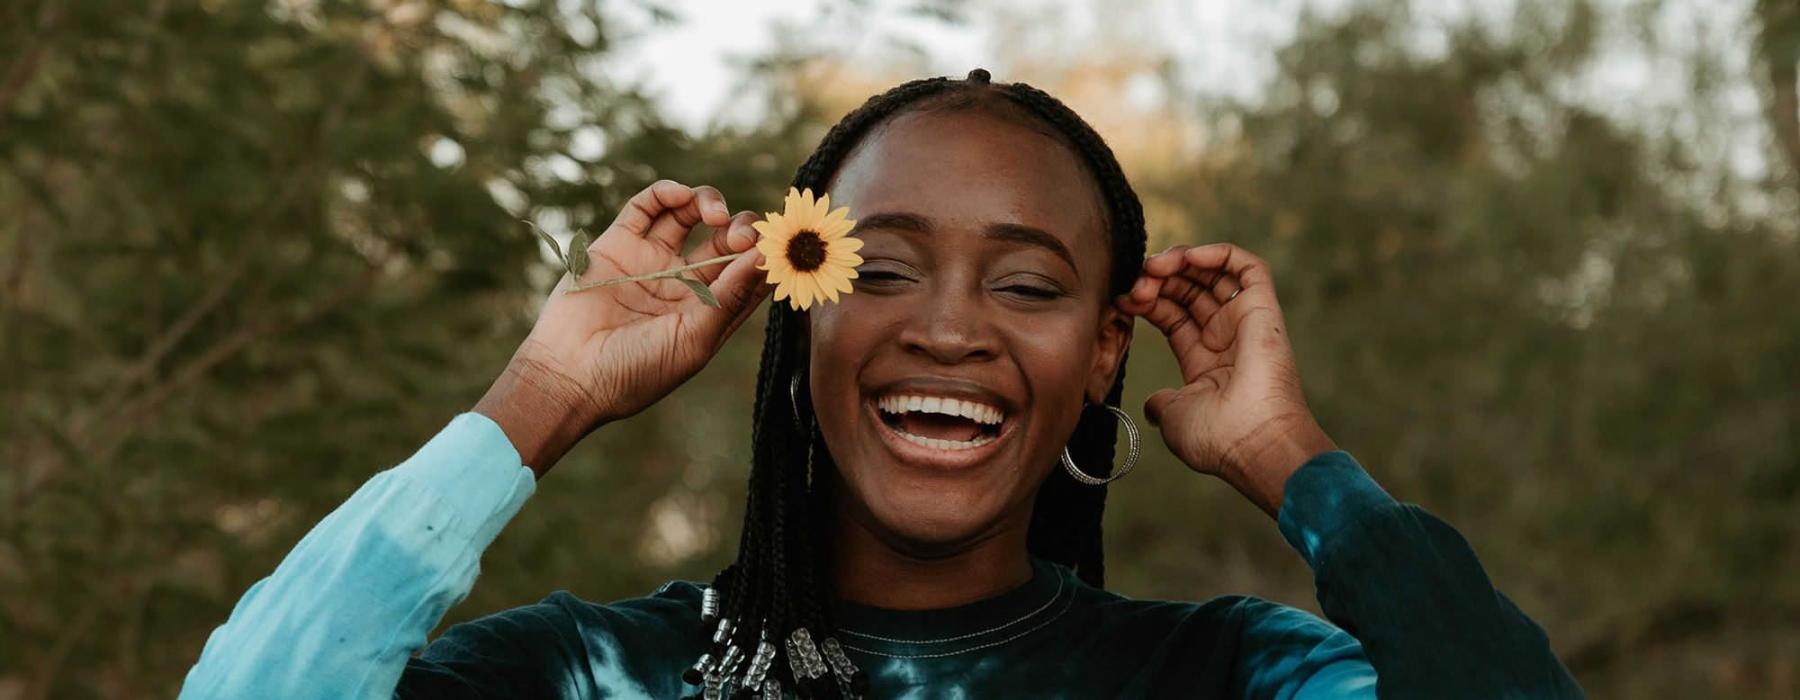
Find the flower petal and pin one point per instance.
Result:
(839, 214)
(831, 231)
(848, 261)
(847, 244)
(772, 248)
(802, 294)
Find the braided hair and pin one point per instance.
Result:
(761, 613)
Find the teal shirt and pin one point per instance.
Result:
(346, 614)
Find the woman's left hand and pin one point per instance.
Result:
(1240, 415)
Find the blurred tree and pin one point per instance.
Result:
(1778, 43)
(1511, 308)
(254, 251)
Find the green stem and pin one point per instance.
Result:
(671, 273)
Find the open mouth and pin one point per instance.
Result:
(938, 422)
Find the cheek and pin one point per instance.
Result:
(1055, 355)
(840, 342)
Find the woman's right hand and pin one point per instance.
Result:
(606, 353)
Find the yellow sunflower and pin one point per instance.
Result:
(808, 250)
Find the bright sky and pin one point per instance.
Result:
(1220, 48)
(1221, 44)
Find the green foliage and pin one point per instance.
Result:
(699, 289)
(252, 252)
(1515, 313)
(578, 255)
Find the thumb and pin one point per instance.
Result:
(1157, 404)
(739, 287)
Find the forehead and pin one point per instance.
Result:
(969, 168)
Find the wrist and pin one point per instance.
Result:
(540, 410)
(1260, 466)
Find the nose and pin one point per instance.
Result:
(951, 328)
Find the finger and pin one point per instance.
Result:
(712, 206)
(1186, 337)
(739, 288)
(1218, 329)
(670, 229)
(1167, 262)
(1170, 317)
(1188, 290)
(1138, 300)
(735, 237)
(1220, 284)
(1157, 404)
(643, 209)
(1224, 288)
(1249, 269)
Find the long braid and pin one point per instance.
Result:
(779, 584)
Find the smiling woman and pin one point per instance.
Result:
(929, 467)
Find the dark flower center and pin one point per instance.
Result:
(806, 251)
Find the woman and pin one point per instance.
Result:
(929, 467)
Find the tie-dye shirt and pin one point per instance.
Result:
(346, 611)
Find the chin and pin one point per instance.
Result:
(934, 522)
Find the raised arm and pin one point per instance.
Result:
(357, 596)
(1403, 583)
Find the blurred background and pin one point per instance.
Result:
(1539, 257)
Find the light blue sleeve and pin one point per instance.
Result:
(351, 603)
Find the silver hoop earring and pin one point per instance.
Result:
(1131, 453)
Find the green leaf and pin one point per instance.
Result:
(700, 290)
(578, 257)
(549, 240)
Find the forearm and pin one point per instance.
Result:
(1260, 465)
(542, 412)
(357, 596)
(1411, 590)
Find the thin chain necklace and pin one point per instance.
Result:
(1060, 583)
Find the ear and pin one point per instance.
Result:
(1109, 350)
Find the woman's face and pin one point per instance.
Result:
(947, 385)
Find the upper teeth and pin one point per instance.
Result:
(978, 412)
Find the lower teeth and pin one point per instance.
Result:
(936, 443)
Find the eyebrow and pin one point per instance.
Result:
(1016, 233)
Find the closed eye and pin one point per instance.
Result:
(880, 279)
(1036, 293)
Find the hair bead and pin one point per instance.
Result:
(841, 667)
(709, 604)
(696, 674)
